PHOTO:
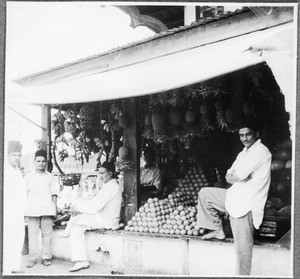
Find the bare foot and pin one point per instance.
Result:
(63, 234)
(214, 234)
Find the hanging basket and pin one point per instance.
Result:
(70, 179)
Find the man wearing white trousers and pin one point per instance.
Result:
(101, 211)
(41, 190)
(14, 203)
(249, 177)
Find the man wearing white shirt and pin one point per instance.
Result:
(101, 211)
(249, 176)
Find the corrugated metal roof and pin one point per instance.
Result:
(143, 41)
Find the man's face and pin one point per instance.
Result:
(104, 175)
(248, 137)
(14, 159)
(40, 163)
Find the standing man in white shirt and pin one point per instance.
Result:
(41, 190)
(249, 176)
(101, 211)
(14, 202)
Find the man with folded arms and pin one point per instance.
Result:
(244, 201)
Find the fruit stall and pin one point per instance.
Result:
(193, 133)
(192, 128)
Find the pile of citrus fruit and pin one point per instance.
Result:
(174, 215)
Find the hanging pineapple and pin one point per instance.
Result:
(148, 121)
(159, 123)
(190, 116)
(123, 152)
(175, 117)
(204, 110)
(122, 161)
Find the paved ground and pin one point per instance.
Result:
(60, 267)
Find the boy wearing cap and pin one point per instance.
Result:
(249, 176)
(101, 211)
(14, 202)
(41, 191)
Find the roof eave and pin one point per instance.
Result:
(165, 43)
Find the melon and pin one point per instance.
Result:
(285, 211)
(283, 154)
(277, 165)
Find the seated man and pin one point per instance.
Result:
(101, 211)
(150, 176)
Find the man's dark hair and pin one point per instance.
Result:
(252, 124)
(109, 166)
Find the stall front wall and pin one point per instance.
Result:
(142, 254)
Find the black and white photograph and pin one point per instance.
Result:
(149, 139)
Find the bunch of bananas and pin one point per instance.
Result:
(87, 117)
(57, 123)
(71, 123)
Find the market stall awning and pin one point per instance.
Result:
(197, 55)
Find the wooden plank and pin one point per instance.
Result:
(131, 176)
(165, 44)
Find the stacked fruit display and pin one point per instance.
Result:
(173, 215)
(194, 180)
(282, 156)
(277, 214)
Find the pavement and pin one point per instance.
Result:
(60, 267)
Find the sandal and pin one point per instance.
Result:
(46, 262)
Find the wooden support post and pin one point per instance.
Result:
(131, 176)
(46, 134)
(189, 14)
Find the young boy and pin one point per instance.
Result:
(41, 190)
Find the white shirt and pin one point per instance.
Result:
(106, 203)
(151, 177)
(40, 187)
(14, 197)
(253, 168)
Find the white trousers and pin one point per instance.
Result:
(77, 227)
(211, 201)
(13, 239)
(35, 224)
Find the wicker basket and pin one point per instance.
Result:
(70, 179)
